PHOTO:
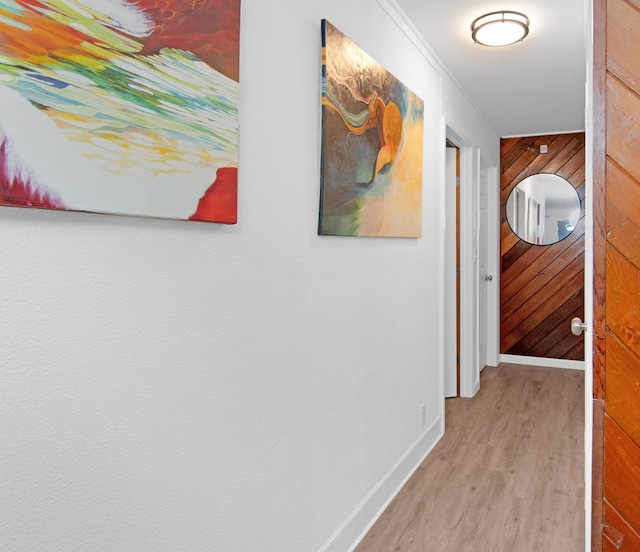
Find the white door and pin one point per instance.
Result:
(450, 270)
(485, 279)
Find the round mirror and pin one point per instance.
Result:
(543, 209)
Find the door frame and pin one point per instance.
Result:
(471, 165)
(594, 140)
(451, 320)
(469, 373)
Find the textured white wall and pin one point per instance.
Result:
(180, 386)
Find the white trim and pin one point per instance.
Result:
(545, 133)
(469, 279)
(447, 295)
(588, 281)
(400, 18)
(544, 362)
(493, 266)
(469, 177)
(357, 525)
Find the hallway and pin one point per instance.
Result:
(506, 476)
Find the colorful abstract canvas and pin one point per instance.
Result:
(120, 106)
(372, 141)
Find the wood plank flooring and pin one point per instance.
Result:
(506, 476)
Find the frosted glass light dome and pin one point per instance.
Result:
(500, 28)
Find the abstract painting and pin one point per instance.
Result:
(372, 141)
(120, 106)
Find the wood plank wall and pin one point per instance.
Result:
(541, 287)
(621, 304)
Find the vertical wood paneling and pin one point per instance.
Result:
(617, 233)
(599, 262)
(623, 386)
(599, 169)
(597, 480)
(623, 228)
(621, 472)
(623, 299)
(541, 286)
(623, 31)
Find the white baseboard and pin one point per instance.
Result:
(357, 525)
(544, 362)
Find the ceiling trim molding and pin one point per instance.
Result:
(404, 23)
(413, 34)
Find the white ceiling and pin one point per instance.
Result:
(533, 87)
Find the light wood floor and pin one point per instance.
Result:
(506, 476)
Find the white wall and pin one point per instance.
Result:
(183, 386)
(480, 152)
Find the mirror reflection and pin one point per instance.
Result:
(543, 209)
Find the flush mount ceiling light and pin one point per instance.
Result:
(500, 28)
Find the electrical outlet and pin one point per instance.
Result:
(423, 414)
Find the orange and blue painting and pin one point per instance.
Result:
(120, 106)
(372, 145)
